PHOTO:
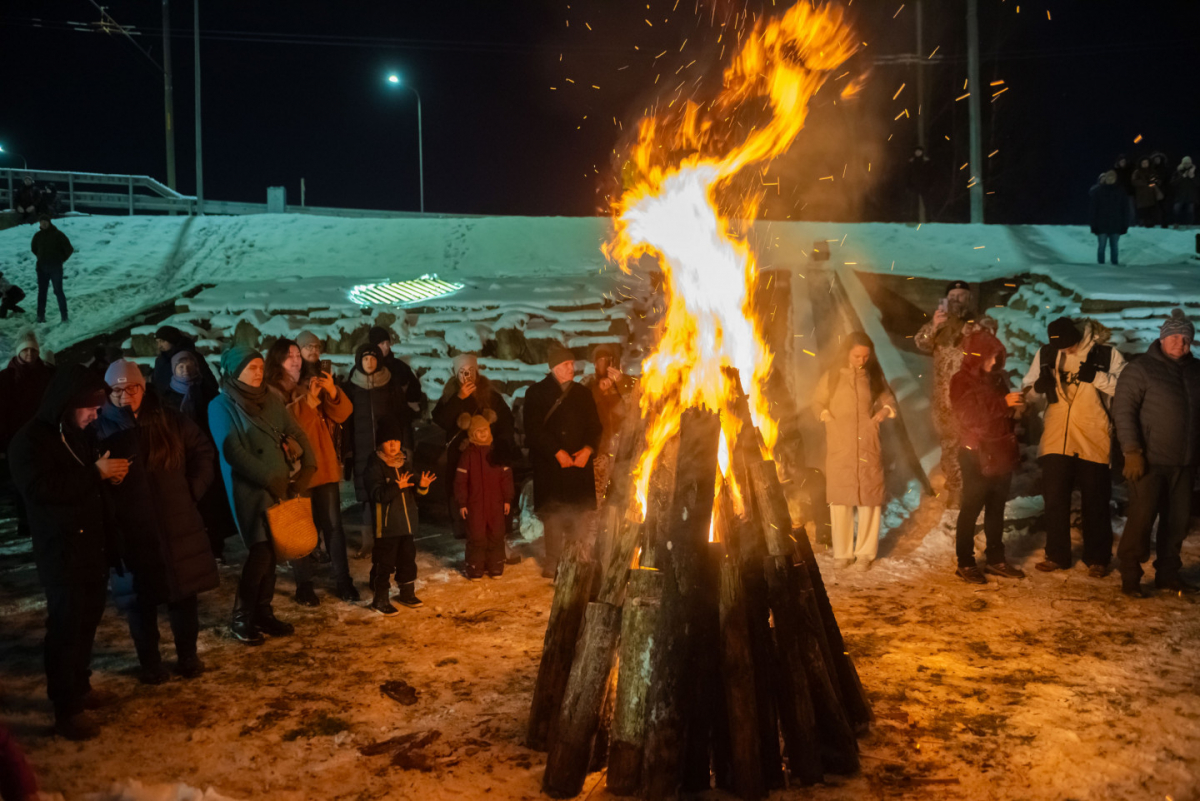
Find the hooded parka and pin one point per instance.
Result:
(853, 458)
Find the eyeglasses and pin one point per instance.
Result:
(133, 389)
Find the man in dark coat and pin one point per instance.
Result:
(471, 393)
(1157, 415)
(918, 180)
(52, 249)
(22, 385)
(562, 433)
(1109, 214)
(1124, 171)
(57, 469)
(171, 341)
(381, 338)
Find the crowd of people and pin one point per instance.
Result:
(134, 485)
(1147, 194)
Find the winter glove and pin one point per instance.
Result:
(1135, 466)
(1044, 385)
(1087, 373)
(302, 480)
(278, 487)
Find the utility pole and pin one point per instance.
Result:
(921, 212)
(168, 93)
(199, 148)
(976, 155)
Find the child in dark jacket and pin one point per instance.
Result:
(394, 494)
(483, 492)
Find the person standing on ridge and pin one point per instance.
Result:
(52, 249)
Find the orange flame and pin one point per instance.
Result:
(680, 207)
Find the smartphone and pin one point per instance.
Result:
(327, 366)
(943, 304)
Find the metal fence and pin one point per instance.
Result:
(142, 194)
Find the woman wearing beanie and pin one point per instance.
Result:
(162, 554)
(985, 409)
(170, 341)
(853, 400)
(188, 394)
(282, 367)
(376, 396)
(265, 458)
(321, 407)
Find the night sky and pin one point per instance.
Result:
(296, 89)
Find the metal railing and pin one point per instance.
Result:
(141, 193)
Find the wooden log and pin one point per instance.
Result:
(741, 698)
(705, 670)
(639, 620)
(579, 716)
(603, 733)
(679, 550)
(799, 626)
(571, 594)
(854, 697)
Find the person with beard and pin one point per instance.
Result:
(162, 549)
(189, 395)
(170, 341)
(1077, 373)
(1157, 415)
(988, 454)
(483, 493)
(310, 348)
(942, 337)
(376, 396)
(22, 385)
(1109, 214)
(61, 474)
(265, 458)
(470, 392)
(282, 367)
(562, 433)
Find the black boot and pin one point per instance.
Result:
(408, 596)
(382, 604)
(242, 626)
(270, 625)
(347, 591)
(306, 595)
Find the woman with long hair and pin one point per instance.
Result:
(282, 366)
(852, 400)
(162, 546)
(265, 458)
(984, 409)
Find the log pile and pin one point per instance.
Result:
(697, 647)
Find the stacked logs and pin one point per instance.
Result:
(686, 650)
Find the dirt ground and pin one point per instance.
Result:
(1054, 687)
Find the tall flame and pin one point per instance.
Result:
(682, 208)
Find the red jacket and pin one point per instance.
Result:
(482, 488)
(985, 422)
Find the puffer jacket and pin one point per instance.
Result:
(853, 458)
(1077, 421)
(984, 419)
(1157, 408)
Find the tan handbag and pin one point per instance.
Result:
(293, 532)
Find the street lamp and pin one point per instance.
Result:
(18, 155)
(394, 80)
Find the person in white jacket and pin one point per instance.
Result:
(1077, 374)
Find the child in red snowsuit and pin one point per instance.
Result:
(483, 492)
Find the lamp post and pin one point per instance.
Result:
(18, 155)
(394, 80)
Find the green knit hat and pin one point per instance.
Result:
(234, 360)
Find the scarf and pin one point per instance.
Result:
(189, 388)
(250, 399)
(396, 464)
(374, 380)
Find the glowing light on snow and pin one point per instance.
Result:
(403, 292)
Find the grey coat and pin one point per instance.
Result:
(252, 460)
(1157, 408)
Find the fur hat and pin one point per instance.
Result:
(1177, 323)
(1063, 333)
(557, 355)
(472, 423)
(123, 373)
(307, 339)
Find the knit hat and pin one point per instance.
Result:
(1177, 323)
(45, 218)
(1063, 333)
(387, 431)
(184, 356)
(464, 360)
(605, 351)
(953, 285)
(234, 360)
(169, 333)
(379, 334)
(1186, 162)
(307, 339)
(28, 339)
(123, 373)
(557, 355)
(367, 349)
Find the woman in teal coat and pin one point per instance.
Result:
(265, 458)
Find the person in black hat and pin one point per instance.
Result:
(381, 338)
(562, 433)
(1076, 372)
(59, 471)
(942, 336)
